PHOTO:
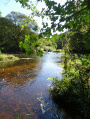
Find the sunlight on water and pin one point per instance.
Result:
(23, 88)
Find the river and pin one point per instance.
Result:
(24, 85)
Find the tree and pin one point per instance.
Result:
(78, 41)
(73, 16)
(70, 14)
(22, 20)
(13, 16)
(15, 29)
(30, 44)
(11, 35)
(0, 13)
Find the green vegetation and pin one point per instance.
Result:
(78, 41)
(74, 88)
(46, 45)
(74, 15)
(7, 57)
(21, 116)
(18, 34)
(15, 27)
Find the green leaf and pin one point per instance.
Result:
(40, 53)
(21, 44)
(85, 63)
(22, 26)
(26, 24)
(50, 79)
(19, 115)
(88, 57)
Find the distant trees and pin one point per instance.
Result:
(16, 17)
(0, 13)
(78, 41)
(74, 16)
(12, 31)
(9, 37)
(18, 34)
(20, 19)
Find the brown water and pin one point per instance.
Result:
(23, 88)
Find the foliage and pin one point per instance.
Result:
(15, 17)
(21, 116)
(75, 84)
(30, 43)
(14, 38)
(37, 46)
(12, 32)
(0, 13)
(78, 41)
(46, 45)
(4, 57)
(8, 34)
(73, 16)
(70, 14)
(22, 20)
(58, 39)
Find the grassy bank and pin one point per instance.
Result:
(7, 57)
(74, 88)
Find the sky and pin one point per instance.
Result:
(6, 6)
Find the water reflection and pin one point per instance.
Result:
(23, 88)
(18, 75)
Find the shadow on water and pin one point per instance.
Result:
(23, 88)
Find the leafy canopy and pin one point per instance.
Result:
(22, 20)
(67, 16)
(73, 16)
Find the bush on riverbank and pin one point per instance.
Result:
(7, 57)
(74, 89)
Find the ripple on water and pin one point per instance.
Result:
(23, 88)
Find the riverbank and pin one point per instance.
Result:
(74, 88)
(24, 86)
(8, 57)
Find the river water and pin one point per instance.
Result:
(24, 85)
